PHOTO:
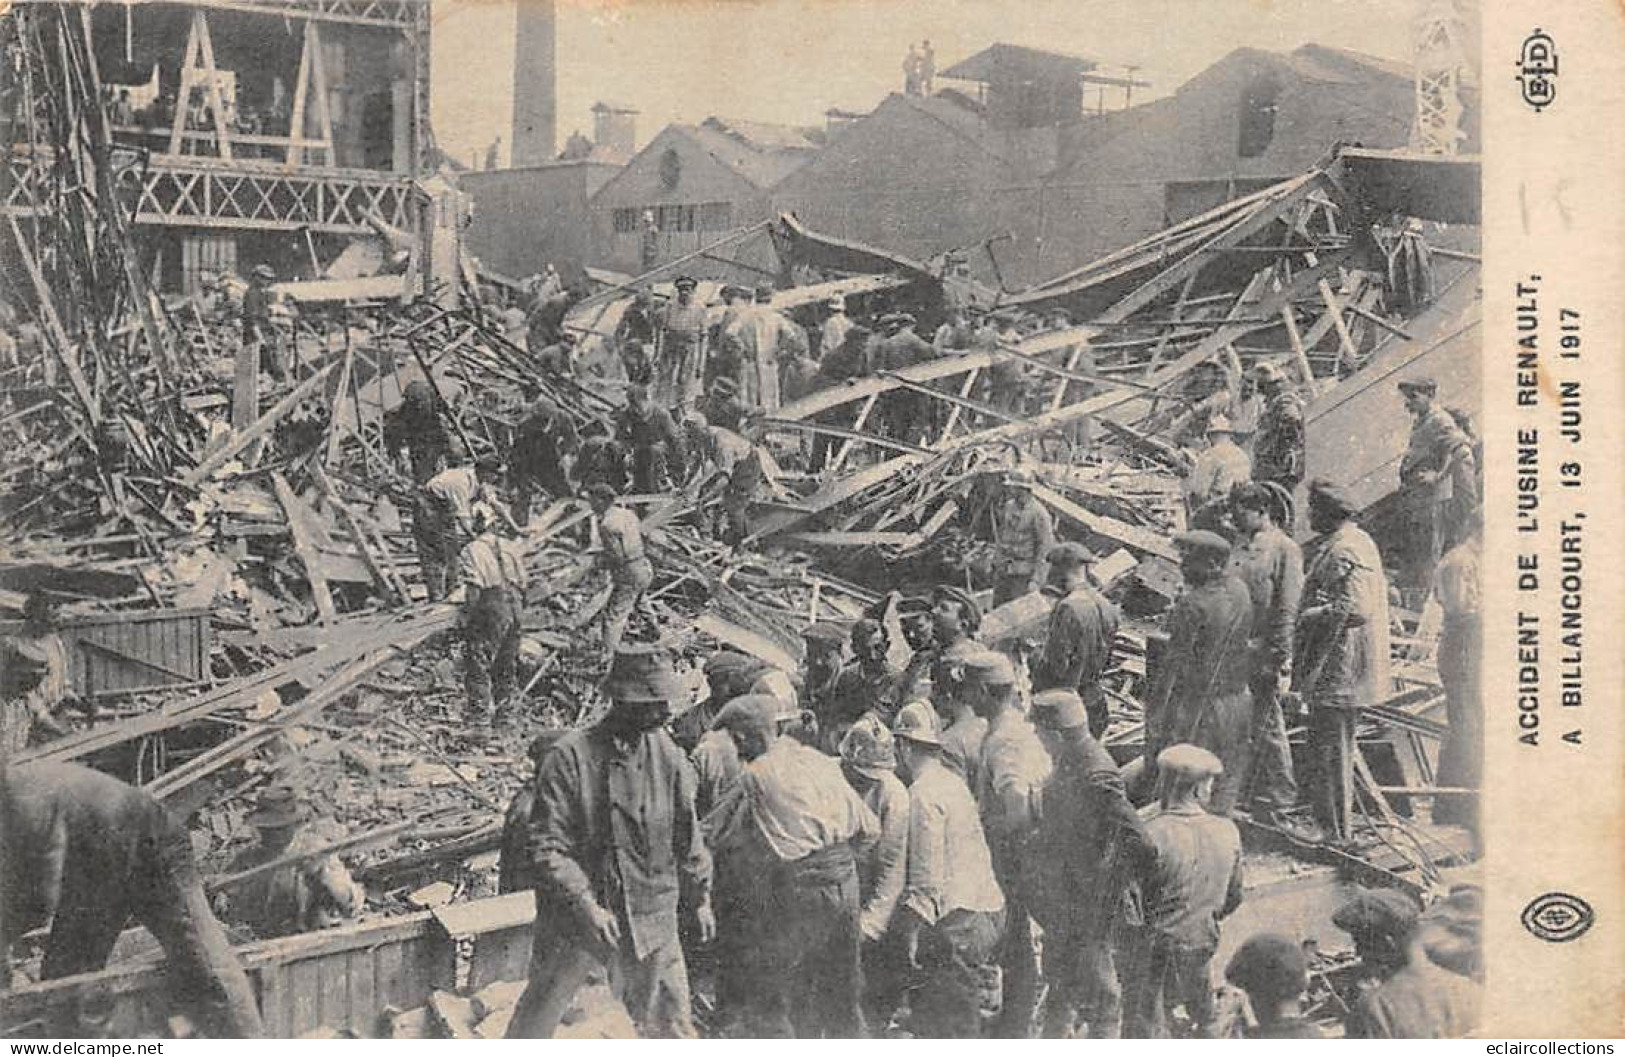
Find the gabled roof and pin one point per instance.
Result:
(762, 136)
(761, 166)
(1012, 61)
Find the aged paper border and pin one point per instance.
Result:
(1555, 812)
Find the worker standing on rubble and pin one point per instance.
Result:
(869, 761)
(821, 664)
(84, 853)
(1271, 565)
(1341, 665)
(905, 414)
(492, 574)
(659, 451)
(442, 520)
(1199, 695)
(415, 424)
(1082, 627)
(1192, 882)
(1087, 848)
(682, 344)
(34, 677)
(794, 813)
(316, 892)
(1010, 780)
(617, 848)
(918, 624)
(833, 331)
(1278, 442)
(1023, 535)
(764, 337)
(1219, 468)
(951, 916)
(602, 459)
(544, 444)
(1438, 473)
(621, 538)
(259, 332)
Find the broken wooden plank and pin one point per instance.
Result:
(305, 547)
(1133, 537)
(258, 430)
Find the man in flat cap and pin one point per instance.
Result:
(1439, 475)
(1406, 995)
(1219, 468)
(617, 846)
(1023, 534)
(794, 813)
(1082, 627)
(824, 645)
(956, 618)
(1273, 971)
(1278, 443)
(1088, 846)
(1341, 664)
(1193, 881)
(868, 683)
(682, 340)
(1009, 786)
(951, 916)
(1199, 691)
(903, 413)
(1271, 565)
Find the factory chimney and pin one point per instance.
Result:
(535, 103)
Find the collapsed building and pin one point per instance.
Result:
(244, 604)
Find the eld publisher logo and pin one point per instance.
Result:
(1558, 917)
(1537, 70)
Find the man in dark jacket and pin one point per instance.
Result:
(1278, 444)
(1200, 692)
(85, 853)
(616, 843)
(1082, 628)
(1088, 842)
(1272, 970)
(544, 439)
(415, 424)
(659, 452)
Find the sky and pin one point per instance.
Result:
(787, 61)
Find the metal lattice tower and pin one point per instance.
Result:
(1440, 64)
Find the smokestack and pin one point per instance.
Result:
(535, 104)
(615, 130)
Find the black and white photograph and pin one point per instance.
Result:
(611, 519)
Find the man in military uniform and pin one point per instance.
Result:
(1199, 694)
(1082, 627)
(1022, 537)
(682, 344)
(1278, 444)
(618, 849)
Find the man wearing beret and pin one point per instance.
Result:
(1341, 665)
(1022, 537)
(1199, 694)
(617, 846)
(1406, 995)
(1193, 881)
(794, 814)
(1089, 844)
(1082, 627)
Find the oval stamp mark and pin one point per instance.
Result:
(1558, 917)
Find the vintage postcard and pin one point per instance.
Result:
(870, 519)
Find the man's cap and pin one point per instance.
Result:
(1205, 543)
(972, 611)
(642, 674)
(724, 386)
(1330, 497)
(1059, 709)
(1268, 370)
(836, 304)
(599, 490)
(730, 290)
(1375, 914)
(764, 292)
(277, 806)
(542, 742)
(761, 711)
(1269, 964)
(989, 668)
(456, 450)
(685, 282)
(826, 634)
(1069, 554)
(1020, 477)
(917, 722)
(865, 629)
(776, 684)
(868, 747)
(726, 662)
(264, 271)
(913, 606)
(1219, 424)
(1423, 385)
(1188, 761)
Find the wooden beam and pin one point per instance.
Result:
(324, 108)
(216, 101)
(296, 116)
(259, 429)
(1299, 355)
(53, 323)
(304, 545)
(1133, 537)
(183, 96)
(1351, 353)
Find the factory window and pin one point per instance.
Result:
(626, 221)
(716, 216)
(675, 218)
(1258, 107)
